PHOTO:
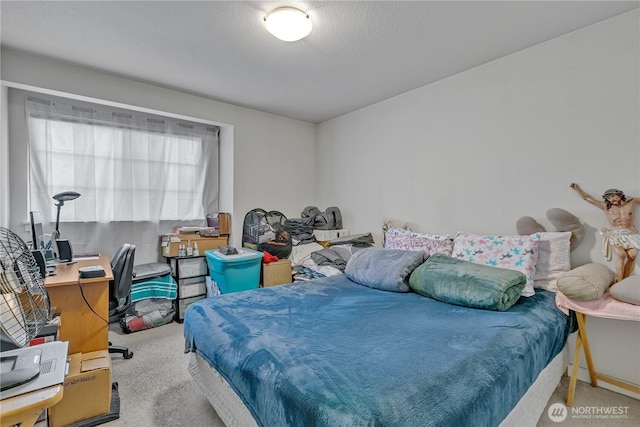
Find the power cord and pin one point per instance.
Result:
(89, 305)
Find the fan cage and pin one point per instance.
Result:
(24, 302)
(261, 226)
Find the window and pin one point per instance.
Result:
(127, 166)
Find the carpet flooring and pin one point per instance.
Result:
(156, 389)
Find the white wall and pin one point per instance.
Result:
(480, 149)
(260, 152)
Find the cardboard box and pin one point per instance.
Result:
(171, 242)
(87, 389)
(220, 221)
(277, 273)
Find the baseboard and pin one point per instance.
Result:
(583, 375)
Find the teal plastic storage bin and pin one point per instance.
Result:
(234, 273)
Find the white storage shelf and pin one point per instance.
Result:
(190, 274)
(189, 289)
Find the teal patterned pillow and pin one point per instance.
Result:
(518, 253)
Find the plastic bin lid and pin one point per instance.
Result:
(242, 255)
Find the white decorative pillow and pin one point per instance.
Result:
(518, 253)
(627, 290)
(553, 259)
(587, 282)
(396, 238)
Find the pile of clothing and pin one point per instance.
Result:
(153, 295)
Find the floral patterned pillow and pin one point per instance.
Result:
(518, 253)
(396, 238)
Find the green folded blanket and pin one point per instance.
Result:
(465, 283)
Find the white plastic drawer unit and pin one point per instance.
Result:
(189, 267)
(192, 287)
(186, 302)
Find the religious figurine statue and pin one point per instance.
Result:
(622, 238)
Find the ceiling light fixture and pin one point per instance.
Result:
(288, 24)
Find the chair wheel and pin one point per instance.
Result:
(129, 355)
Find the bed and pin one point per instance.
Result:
(356, 349)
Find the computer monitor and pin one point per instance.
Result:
(38, 239)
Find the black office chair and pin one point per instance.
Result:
(120, 289)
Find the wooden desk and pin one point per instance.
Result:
(25, 409)
(84, 324)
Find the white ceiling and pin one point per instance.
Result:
(359, 53)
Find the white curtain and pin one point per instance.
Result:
(138, 175)
(4, 158)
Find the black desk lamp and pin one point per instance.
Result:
(60, 198)
(65, 196)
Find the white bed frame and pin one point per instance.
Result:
(234, 414)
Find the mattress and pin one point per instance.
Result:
(332, 352)
(233, 413)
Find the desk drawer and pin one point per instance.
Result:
(192, 287)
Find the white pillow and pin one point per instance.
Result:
(627, 290)
(512, 252)
(553, 259)
(587, 282)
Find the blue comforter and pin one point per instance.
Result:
(331, 352)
